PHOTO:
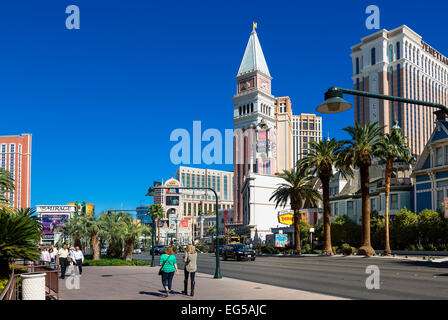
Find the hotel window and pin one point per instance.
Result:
(311, 124)
(305, 124)
(357, 65)
(219, 183)
(398, 50)
(439, 156)
(240, 111)
(373, 56)
(394, 201)
(202, 181)
(188, 180)
(225, 188)
(251, 107)
(197, 180)
(391, 53)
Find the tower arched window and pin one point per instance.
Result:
(241, 111)
(391, 53)
(251, 107)
(373, 56)
(398, 50)
(357, 65)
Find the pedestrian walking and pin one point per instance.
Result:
(190, 259)
(45, 256)
(169, 266)
(53, 257)
(78, 258)
(63, 256)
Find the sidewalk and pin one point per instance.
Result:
(143, 283)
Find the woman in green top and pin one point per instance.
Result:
(169, 266)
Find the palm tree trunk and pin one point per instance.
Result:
(95, 246)
(366, 247)
(158, 231)
(297, 220)
(129, 247)
(327, 214)
(389, 166)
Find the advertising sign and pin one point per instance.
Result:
(52, 222)
(183, 223)
(286, 217)
(281, 240)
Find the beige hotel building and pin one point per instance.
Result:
(196, 201)
(399, 63)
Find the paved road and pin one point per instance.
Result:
(338, 276)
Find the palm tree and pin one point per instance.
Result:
(91, 229)
(133, 231)
(365, 145)
(19, 238)
(157, 213)
(296, 190)
(72, 228)
(322, 157)
(394, 148)
(6, 185)
(114, 227)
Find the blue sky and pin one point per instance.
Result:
(102, 101)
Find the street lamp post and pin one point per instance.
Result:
(218, 265)
(334, 103)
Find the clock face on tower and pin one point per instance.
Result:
(264, 85)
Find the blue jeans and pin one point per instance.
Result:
(167, 279)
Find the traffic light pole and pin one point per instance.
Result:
(218, 265)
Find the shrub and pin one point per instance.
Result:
(442, 247)
(115, 262)
(347, 250)
(174, 249)
(306, 248)
(335, 249)
(430, 247)
(317, 251)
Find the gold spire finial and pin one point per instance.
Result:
(254, 26)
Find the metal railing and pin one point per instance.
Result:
(12, 292)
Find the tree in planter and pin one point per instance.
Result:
(132, 233)
(19, 239)
(393, 148)
(230, 232)
(157, 213)
(365, 145)
(323, 156)
(296, 190)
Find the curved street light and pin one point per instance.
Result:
(334, 102)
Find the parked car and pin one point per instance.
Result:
(137, 251)
(103, 251)
(238, 252)
(158, 249)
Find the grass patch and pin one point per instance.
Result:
(115, 262)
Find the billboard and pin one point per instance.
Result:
(286, 217)
(51, 222)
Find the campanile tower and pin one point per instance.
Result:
(254, 120)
